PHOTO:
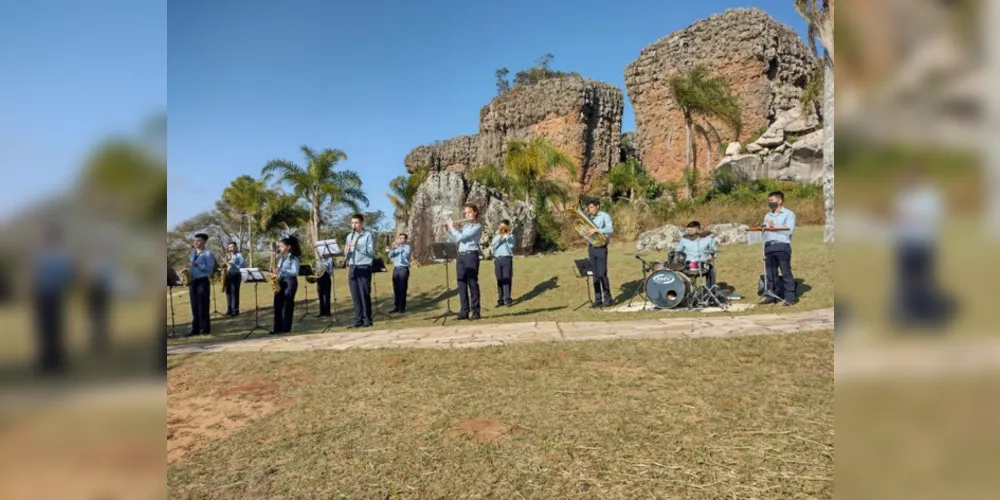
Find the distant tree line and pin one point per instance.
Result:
(540, 71)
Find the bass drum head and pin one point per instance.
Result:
(668, 289)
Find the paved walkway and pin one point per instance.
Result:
(464, 334)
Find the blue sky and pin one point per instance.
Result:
(252, 81)
(72, 74)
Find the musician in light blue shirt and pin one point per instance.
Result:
(777, 229)
(360, 252)
(201, 265)
(698, 247)
(503, 262)
(400, 254)
(233, 279)
(468, 262)
(288, 283)
(599, 255)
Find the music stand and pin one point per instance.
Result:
(305, 270)
(583, 270)
(378, 266)
(446, 252)
(329, 248)
(173, 281)
(255, 276)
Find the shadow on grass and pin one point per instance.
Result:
(525, 312)
(545, 286)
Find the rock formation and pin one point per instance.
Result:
(580, 117)
(442, 196)
(766, 62)
(665, 238)
(781, 152)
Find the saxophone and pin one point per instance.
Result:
(275, 286)
(186, 272)
(584, 226)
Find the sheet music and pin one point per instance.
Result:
(330, 247)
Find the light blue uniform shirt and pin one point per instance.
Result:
(203, 264)
(327, 265)
(236, 263)
(364, 248)
(918, 215)
(603, 222)
(468, 238)
(503, 246)
(288, 267)
(698, 250)
(401, 255)
(53, 271)
(784, 218)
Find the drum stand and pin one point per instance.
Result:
(642, 285)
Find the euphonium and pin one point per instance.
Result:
(584, 226)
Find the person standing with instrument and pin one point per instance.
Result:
(777, 229)
(400, 254)
(288, 283)
(503, 262)
(323, 285)
(360, 252)
(699, 248)
(467, 265)
(599, 255)
(233, 280)
(201, 264)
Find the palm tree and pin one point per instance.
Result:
(319, 183)
(403, 190)
(529, 167)
(630, 178)
(281, 214)
(819, 16)
(697, 93)
(248, 197)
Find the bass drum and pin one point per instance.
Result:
(668, 289)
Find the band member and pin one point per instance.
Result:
(467, 266)
(503, 262)
(778, 227)
(288, 282)
(53, 267)
(698, 248)
(360, 252)
(233, 280)
(400, 254)
(323, 284)
(599, 256)
(201, 265)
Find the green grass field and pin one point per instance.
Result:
(545, 289)
(747, 417)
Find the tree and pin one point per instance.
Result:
(697, 93)
(403, 190)
(528, 167)
(281, 215)
(540, 71)
(630, 178)
(319, 184)
(503, 86)
(819, 17)
(247, 198)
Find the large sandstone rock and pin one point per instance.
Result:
(664, 239)
(580, 117)
(801, 161)
(442, 197)
(766, 62)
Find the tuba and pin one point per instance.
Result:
(583, 225)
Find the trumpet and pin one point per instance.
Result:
(584, 225)
(504, 229)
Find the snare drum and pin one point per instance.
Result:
(695, 267)
(657, 266)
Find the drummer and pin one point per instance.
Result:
(699, 247)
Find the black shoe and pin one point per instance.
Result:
(273, 333)
(509, 303)
(356, 325)
(366, 325)
(395, 311)
(474, 317)
(461, 317)
(607, 303)
(499, 304)
(771, 301)
(236, 313)
(595, 305)
(789, 303)
(192, 334)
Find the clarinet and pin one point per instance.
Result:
(350, 253)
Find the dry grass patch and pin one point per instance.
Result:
(747, 417)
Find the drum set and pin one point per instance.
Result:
(678, 284)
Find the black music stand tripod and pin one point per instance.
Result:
(253, 275)
(305, 270)
(173, 281)
(329, 248)
(446, 252)
(583, 270)
(378, 266)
